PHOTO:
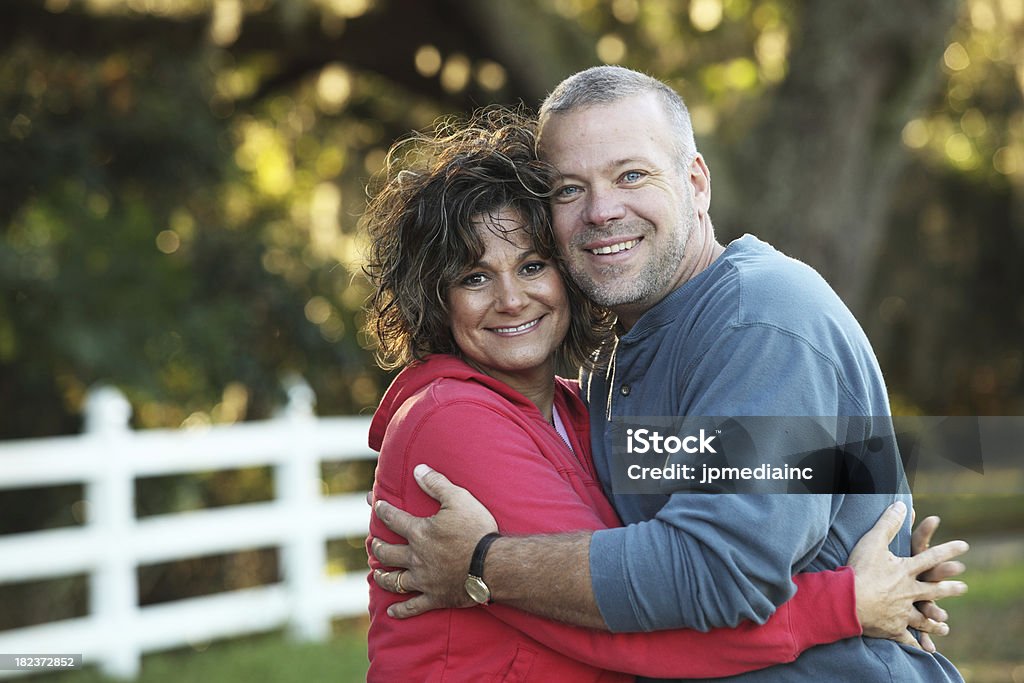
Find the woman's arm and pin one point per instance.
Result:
(821, 612)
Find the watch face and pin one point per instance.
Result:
(478, 590)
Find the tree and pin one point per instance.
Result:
(821, 164)
(180, 182)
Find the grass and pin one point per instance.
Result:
(968, 515)
(987, 624)
(270, 658)
(987, 628)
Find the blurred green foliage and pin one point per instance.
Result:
(181, 181)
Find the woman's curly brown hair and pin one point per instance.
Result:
(423, 238)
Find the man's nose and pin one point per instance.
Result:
(603, 205)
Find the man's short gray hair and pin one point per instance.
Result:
(601, 85)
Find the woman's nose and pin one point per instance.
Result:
(510, 297)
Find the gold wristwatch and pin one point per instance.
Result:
(475, 585)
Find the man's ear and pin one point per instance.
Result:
(700, 182)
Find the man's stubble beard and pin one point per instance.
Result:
(616, 288)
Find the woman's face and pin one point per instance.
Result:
(509, 312)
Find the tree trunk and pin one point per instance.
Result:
(817, 173)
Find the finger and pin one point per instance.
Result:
(928, 590)
(926, 643)
(369, 498)
(908, 639)
(384, 580)
(946, 570)
(435, 484)
(412, 607)
(389, 580)
(932, 611)
(878, 537)
(913, 516)
(921, 539)
(936, 555)
(391, 555)
(889, 524)
(926, 625)
(396, 519)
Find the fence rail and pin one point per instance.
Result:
(112, 543)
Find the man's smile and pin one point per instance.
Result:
(614, 248)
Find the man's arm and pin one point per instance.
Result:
(822, 612)
(566, 572)
(531, 572)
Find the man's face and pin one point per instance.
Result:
(623, 208)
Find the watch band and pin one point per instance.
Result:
(476, 565)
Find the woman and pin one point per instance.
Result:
(470, 302)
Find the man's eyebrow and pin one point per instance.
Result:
(630, 160)
(611, 166)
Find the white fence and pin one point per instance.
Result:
(112, 543)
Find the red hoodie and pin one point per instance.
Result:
(492, 440)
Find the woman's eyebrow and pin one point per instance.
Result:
(482, 263)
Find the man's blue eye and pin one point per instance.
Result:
(632, 176)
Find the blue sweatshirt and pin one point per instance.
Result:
(755, 334)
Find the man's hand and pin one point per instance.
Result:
(888, 587)
(436, 560)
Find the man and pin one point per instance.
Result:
(705, 330)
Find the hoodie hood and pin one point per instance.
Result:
(422, 373)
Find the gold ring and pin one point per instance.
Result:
(398, 583)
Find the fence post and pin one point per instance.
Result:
(110, 496)
(304, 554)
